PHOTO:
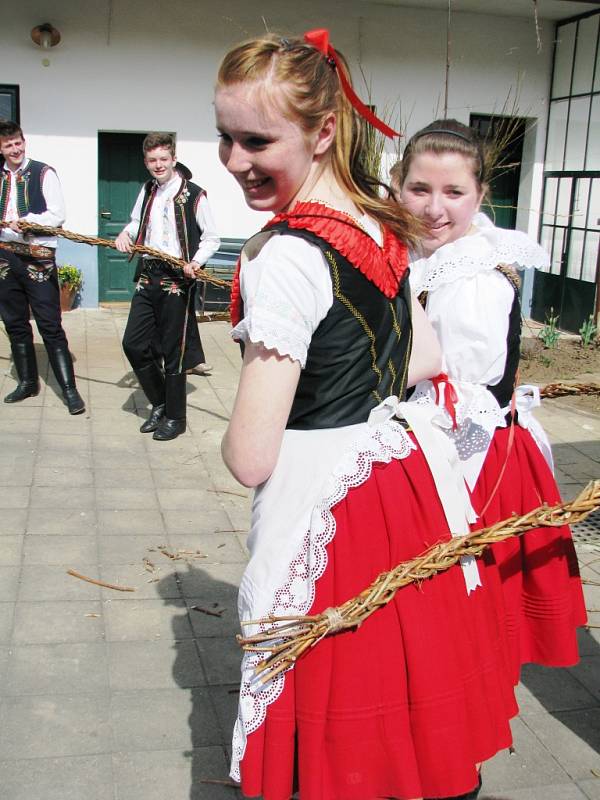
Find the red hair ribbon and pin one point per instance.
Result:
(319, 39)
(450, 396)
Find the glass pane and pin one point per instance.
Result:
(549, 215)
(563, 60)
(575, 254)
(577, 132)
(593, 154)
(564, 201)
(557, 128)
(585, 55)
(7, 105)
(590, 257)
(582, 192)
(597, 75)
(593, 221)
(556, 261)
(546, 242)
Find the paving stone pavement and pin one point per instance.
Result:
(109, 695)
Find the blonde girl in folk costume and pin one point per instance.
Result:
(410, 703)
(468, 277)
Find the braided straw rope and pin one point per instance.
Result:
(178, 263)
(213, 316)
(566, 389)
(288, 641)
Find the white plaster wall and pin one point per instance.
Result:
(135, 65)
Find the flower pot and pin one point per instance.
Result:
(67, 296)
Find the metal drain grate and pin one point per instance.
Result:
(586, 534)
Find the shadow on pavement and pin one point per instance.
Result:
(214, 695)
(572, 695)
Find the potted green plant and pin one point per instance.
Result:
(70, 280)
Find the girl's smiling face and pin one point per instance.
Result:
(270, 156)
(442, 190)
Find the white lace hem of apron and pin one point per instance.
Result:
(378, 444)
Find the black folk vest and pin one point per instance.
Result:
(184, 204)
(358, 354)
(30, 198)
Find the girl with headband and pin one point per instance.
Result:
(410, 703)
(468, 277)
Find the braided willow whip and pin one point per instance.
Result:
(178, 263)
(566, 389)
(213, 316)
(287, 642)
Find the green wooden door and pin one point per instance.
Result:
(121, 172)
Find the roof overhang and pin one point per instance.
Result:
(546, 9)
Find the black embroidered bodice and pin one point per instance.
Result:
(358, 354)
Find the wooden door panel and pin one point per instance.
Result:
(121, 172)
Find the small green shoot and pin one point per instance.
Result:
(588, 331)
(550, 334)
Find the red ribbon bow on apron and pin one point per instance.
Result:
(450, 396)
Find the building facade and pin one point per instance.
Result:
(124, 67)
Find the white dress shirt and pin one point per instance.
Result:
(54, 215)
(161, 232)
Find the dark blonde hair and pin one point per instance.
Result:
(312, 90)
(445, 136)
(159, 139)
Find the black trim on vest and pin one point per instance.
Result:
(34, 175)
(503, 390)
(353, 362)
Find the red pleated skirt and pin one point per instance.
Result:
(408, 704)
(542, 590)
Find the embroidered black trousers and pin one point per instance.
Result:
(30, 283)
(159, 318)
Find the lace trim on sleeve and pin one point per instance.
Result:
(259, 329)
(286, 290)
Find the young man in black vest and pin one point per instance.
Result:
(30, 192)
(171, 214)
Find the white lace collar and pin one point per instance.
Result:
(483, 250)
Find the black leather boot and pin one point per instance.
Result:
(23, 354)
(62, 366)
(152, 381)
(173, 423)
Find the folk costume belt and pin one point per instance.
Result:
(155, 266)
(32, 250)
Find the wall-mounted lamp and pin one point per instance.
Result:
(45, 36)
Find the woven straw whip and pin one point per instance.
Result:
(288, 638)
(566, 389)
(178, 263)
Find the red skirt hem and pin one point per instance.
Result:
(541, 587)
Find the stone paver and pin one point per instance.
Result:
(133, 694)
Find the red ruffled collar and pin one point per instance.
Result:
(384, 266)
